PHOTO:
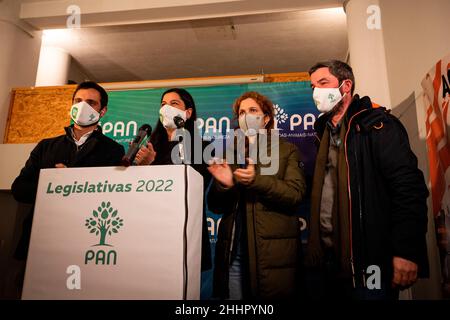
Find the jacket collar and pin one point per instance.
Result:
(358, 104)
(97, 131)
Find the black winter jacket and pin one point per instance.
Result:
(388, 193)
(97, 151)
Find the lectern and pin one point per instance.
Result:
(116, 233)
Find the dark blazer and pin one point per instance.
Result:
(97, 151)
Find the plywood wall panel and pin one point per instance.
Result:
(38, 113)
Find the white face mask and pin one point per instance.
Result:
(167, 113)
(327, 98)
(83, 114)
(251, 123)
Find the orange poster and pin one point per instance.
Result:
(436, 101)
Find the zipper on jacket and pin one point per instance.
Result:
(361, 225)
(350, 198)
(353, 272)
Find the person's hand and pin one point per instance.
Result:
(405, 273)
(222, 173)
(60, 165)
(146, 155)
(245, 176)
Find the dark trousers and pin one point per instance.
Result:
(327, 283)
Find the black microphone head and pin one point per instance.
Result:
(179, 122)
(147, 128)
(126, 161)
(144, 131)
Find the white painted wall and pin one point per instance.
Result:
(415, 38)
(18, 56)
(77, 73)
(12, 161)
(53, 67)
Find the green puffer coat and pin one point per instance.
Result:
(273, 228)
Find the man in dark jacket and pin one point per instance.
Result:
(83, 145)
(368, 205)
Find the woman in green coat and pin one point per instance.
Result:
(258, 251)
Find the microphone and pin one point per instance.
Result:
(179, 122)
(144, 131)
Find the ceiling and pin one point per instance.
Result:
(252, 44)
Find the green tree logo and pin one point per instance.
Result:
(332, 97)
(105, 221)
(74, 112)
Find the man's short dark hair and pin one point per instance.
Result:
(339, 69)
(96, 86)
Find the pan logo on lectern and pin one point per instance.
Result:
(104, 222)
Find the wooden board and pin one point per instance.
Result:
(38, 113)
